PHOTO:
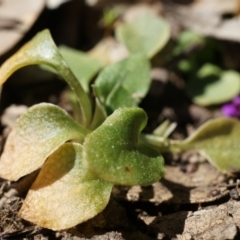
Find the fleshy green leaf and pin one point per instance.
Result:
(114, 153)
(36, 134)
(83, 66)
(219, 141)
(213, 86)
(42, 50)
(124, 83)
(65, 194)
(147, 34)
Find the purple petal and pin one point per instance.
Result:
(230, 110)
(236, 101)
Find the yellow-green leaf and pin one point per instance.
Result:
(219, 141)
(42, 50)
(65, 194)
(36, 134)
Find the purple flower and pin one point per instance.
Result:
(232, 109)
(236, 101)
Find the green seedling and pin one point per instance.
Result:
(217, 140)
(209, 85)
(206, 82)
(80, 159)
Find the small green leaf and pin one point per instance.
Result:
(219, 141)
(165, 129)
(209, 70)
(186, 40)
(42, 50)
(65, 194)
(110, 14)
(114, 153)
(204, 51)
(36, 134)
(83, 66)
(147, 34)
(213, 86)
(124, 83)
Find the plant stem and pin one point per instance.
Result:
(83, 99)
(161, 144)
